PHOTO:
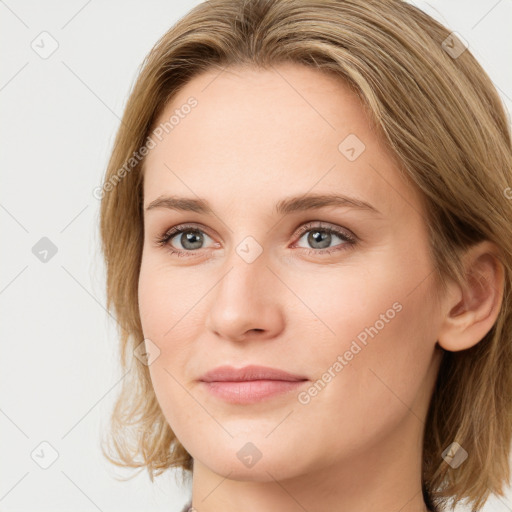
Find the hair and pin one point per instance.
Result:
(443, 119)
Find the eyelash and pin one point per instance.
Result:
(349, 240)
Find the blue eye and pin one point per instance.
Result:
(322, 236)
(192, 239)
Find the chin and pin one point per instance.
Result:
(245, 460)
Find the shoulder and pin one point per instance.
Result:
(187, 507)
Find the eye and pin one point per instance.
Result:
(191, 238)
(320, 237)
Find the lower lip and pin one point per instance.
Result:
(251, 391)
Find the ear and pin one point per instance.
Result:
(471, 309)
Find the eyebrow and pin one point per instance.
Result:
(283, 207)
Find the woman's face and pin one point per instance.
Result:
(258, 279)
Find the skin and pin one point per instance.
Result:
(253, 140)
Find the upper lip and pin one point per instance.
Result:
(251, 372)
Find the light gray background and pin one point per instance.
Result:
(59, 116)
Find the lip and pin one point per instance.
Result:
(250, 384)
(251, 372)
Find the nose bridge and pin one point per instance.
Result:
(245, 298)
(247, 266)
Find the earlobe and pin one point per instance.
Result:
(471, 309)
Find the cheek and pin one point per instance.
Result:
(153, 302)
(169, 313)
(391, 370)
(373, 361)
(167, 299)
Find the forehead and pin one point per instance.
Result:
(271, 133)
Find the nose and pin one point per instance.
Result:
(246, 303)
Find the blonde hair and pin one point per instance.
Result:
(441, 116)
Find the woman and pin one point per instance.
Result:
(306, 227)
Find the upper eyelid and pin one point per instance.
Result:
(304, 228)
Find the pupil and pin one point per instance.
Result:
(191, 237)
(321, 237)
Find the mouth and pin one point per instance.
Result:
(250, 384)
